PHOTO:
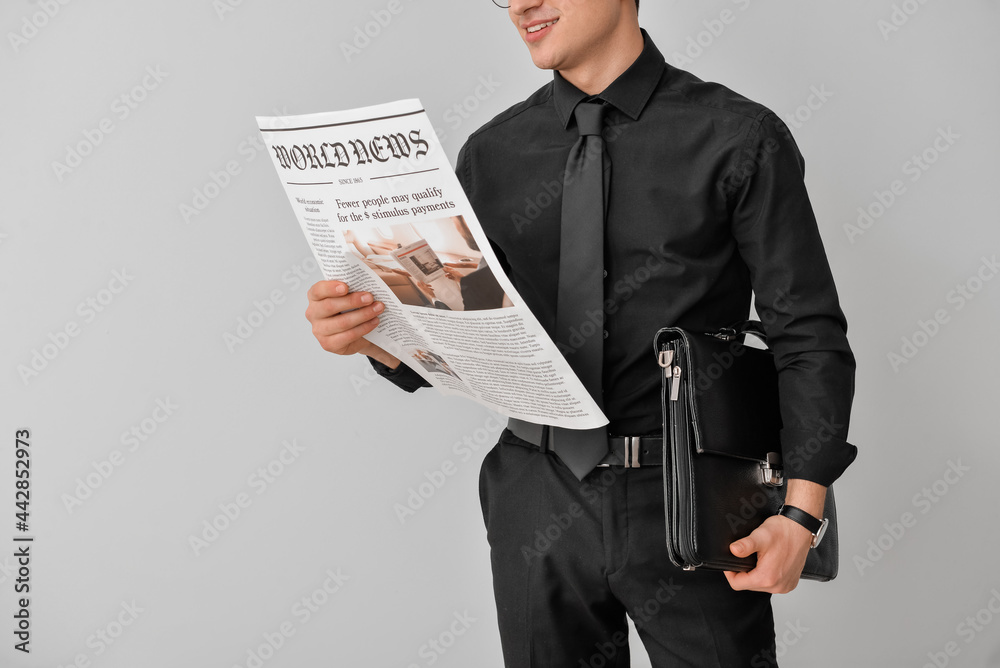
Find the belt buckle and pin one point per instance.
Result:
(632, 451)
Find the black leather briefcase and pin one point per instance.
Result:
(722, 473)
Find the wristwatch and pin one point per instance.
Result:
(816, 526)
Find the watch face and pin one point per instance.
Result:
(818, 536)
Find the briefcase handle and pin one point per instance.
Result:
(741, 327)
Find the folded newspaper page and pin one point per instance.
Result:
(383, 211)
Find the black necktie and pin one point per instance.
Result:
(580, 302)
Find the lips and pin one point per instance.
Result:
(539, 30)
(535, 28)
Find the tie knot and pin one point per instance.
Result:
(589, 118)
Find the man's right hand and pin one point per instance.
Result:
(341, 318)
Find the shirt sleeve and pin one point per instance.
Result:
(463, 170)
(796, 299)
(402, 376)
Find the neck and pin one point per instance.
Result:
(607, 63)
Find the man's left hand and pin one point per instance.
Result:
(781, 544)
(782, 547)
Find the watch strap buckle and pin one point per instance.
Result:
(818, 536)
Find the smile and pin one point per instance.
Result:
(540, 26)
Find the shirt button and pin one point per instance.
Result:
(605, 273)
(605, 333)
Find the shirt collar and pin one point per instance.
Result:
(628, 93)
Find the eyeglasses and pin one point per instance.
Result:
(501, 6)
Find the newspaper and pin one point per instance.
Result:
(383, 211)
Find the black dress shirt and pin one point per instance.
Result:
(707, 202)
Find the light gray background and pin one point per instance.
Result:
(365, 444)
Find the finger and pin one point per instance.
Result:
(342, 341)
(323, 289)
(743, 547)
(343, 322)
(739, 581)
(757, 579)
(332, 306)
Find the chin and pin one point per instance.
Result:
(543, 60)
(543, 64)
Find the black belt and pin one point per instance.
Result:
(627, 451)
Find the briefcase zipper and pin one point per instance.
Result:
(672, 372)
(675, 384)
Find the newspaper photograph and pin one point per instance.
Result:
(383, 211)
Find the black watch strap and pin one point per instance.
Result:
(816, 527)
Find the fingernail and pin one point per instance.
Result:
(378, 307)
(366, 298)
(341, 289)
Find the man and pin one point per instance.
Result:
(704, 201)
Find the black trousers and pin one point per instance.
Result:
(570, 559)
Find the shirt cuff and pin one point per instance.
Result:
(816, 456)
(402, 376)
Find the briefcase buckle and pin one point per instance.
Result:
(771, 472)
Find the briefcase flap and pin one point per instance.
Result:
(731, 390)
